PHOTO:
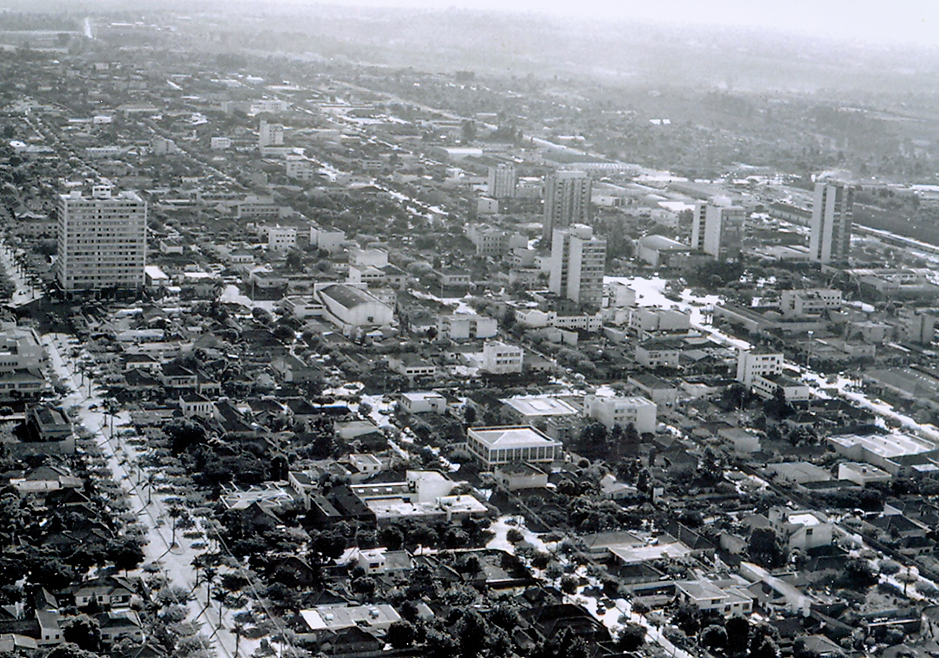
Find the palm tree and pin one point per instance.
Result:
(175, 512)
(209, 574)
(221, 597)
(238, 630)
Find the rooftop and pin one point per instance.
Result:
(887, 446)
(349, 296)
(541, 405)
(511, 437)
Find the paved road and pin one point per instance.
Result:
(176, 561)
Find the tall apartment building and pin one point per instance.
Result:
(577, 263)
(830, 229)
(502, 180)
(270, 134)
(566, 201)
(102, 240)
(718, 227)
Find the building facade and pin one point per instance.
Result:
(566, 201)
(102, 240)
(830, 230)
(577, 263)
(634, 410)
(718, 228)
(502, 180)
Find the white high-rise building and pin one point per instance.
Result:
(577, 263)
(566, 201)
(102, 240)
(830, 230)
(718, 227)
(502, 180)
(270, 134)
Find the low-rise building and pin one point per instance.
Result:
(805, 303)
(281, 238)
(633, 410)
(862, 474)
(535, 410)
(801, 530)
(352, 308)
(501, 358)
(423, 402)
(659, 353)
(707, 596)
(502, 445)
(516, 476)
(466, 327)
(411, 366)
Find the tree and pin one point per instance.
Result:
(468, 130)
(631, 637)
(564, 645)
(765, 548)
(859, 574)
(777, 407)
(70, 650)
(711, 466)
(469, 415)
(907, 577)
(764, 647)
(401, 635)
(569, 584)
(594, 441)
(83, 631)
(175, 512)
(125, 554)
(184, 434)
(738, 634)
(713, 638)
(294, 260)
(209, 574)
(515, 536)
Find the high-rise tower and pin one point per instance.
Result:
(102, 240)
(830, 230)
(566, 201)
(577, 263)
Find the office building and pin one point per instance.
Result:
(102, 240)
(577, 263)
(718, 227)
(830, 230)
(566, 201)
(504, 445)
(502, 181)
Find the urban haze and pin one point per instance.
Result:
(406, 328)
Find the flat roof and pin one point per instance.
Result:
(804, 519)
(888, 446)
(632, 554)
(511, 437)
(540, 405)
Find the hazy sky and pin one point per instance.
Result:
(882, 21)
